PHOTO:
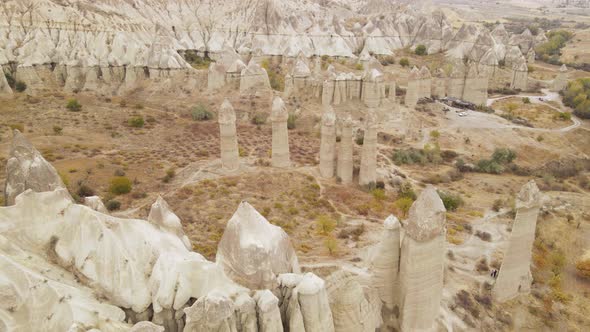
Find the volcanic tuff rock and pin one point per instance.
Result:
(515, 273)
(253, 252)
(162, 216)
(27, 169)
(422, 262)
(111, 46)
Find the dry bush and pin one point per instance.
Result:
(325, 224)
(482, 265)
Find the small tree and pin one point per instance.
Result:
(404, 62)
(73, 105)
(403, 205)
(421, 50)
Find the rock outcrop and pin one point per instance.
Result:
(132, 264)
(162, 217)
(230, 155)
(328, 143)
(515, 273)
(27, 169)
(254, 79)
(253, 252)
(280, 134)
(422, 262)
(95, 203)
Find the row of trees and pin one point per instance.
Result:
(577, 96)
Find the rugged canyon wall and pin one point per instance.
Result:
(116, 47)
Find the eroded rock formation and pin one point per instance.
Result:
(384, 264)
(253, 252)
(345, 166)
(230, 156)
(27, 169)
(515, 273)
(162, 216)
(328, 142)
(280, 134)
(560, 82)
(368, 171)
(422, 262)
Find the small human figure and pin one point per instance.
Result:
(494, 274)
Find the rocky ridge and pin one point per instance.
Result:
(112, 46)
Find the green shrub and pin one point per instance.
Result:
(552, 48)
(563, 116)
(113, 205)
(387, 60)
(404, 62)
(403, 205)
(526, 100)
(200, 113)
(421, 50)
(291, 121)
(489, 166)
(20, 86)
(136, 122)
(57, 130)
(503, 156)
(258, 119)
(409, 156)
(451, 201)
(430, 154)
(73, 105)
(359, 66)
(379, 194)
(120, 185)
